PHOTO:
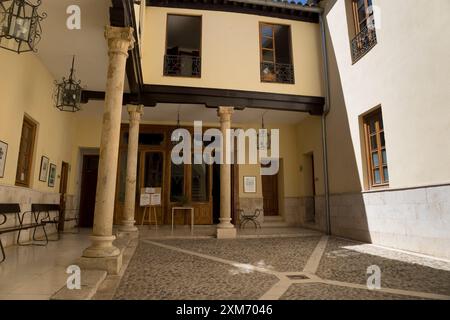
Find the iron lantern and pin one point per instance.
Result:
(20, 25)
(68, 92)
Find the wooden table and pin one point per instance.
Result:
(192, 216)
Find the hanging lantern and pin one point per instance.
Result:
(68, 93)
(263, 136)
(20, 25)
(176, 136)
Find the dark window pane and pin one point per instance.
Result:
(383, 143)
(268, 55)
(377, 176)
(386, 174)
(383, 152)
(151, 139)
(373, 142)
(267, 43)
(176, 182)
(375, 160)
(267, 31)
(200, 182)
(372, 126)
(183, 34)
(283, 45)
(153, 170)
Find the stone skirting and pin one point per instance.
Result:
(416, 220)
(25, 197)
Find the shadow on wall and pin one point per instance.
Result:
(348, 213)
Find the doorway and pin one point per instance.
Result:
(88, 190)
(310, 188)
(62, 192)
(270, 194)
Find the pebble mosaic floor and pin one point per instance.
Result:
(292, 268)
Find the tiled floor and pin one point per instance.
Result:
(297, 267)
(36, 273)
(281, 263)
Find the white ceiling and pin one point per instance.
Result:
(88, 44)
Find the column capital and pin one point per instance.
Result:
(135, 112)
(120, 40)
(225, 112)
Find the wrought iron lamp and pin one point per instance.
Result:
(263, 136)
(68, 92)
(20, 25)
(178, 135)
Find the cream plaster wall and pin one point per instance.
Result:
(309, 137)
(26, 87)
(230, 52)
(407, 72)
(289, 184)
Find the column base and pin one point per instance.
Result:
(226, 233)
(101, 247)
(128, 226)
(128, 234)
(111, 265)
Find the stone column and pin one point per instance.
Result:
(225, 229)
(127, 226)
(120, 40)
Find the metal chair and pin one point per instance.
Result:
(245, 218)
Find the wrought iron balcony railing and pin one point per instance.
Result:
(182, 66)
(363, 42)
(277, 72)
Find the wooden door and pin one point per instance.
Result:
(62, 193)
(88, 190)
(270, 194)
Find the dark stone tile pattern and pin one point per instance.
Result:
(339, 263)
(279, 254)
(320, 291)
(159, 273)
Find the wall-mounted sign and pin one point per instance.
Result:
(250, 184)
(3, 153)
(43, 173)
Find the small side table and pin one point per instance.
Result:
(192, 216)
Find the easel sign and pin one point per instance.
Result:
(150, 197)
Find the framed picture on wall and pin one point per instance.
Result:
(52, 175)
(3, 153)
(43, 173)
(250, 184)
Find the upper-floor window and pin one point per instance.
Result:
(376, 149)
(183, 45)
(365, 37)
(276, 53)
(26, 148)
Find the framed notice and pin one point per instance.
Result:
(3, 153)
(52, 175)
(250, 184)
(43, 173)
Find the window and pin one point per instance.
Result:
(376, 149)
(183, 42)
(365, 36)
(25, 160)
(276, 53)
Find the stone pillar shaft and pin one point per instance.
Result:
(120, 40)
(135, 113)
(225, 228)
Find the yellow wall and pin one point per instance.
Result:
(309, 135)
(230, 52)
(289, 184)
(26, 87)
